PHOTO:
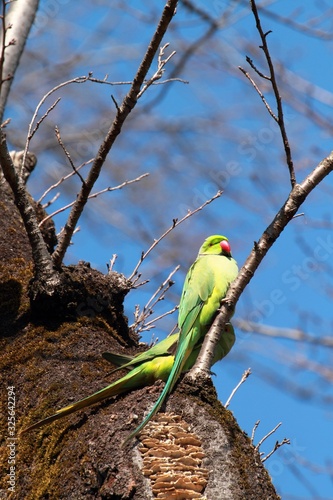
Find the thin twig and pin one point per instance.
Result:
(166, 283)
(49, 203)
(267, 436)
(301, 27)
(158, 318)
(283, 333)
(160, 69)
(137, 285)
(113, 84)
(276, 447)
(112, 261)
(45, 115)
(255, 427)
(168, 80)
(64, 178)
(141, 316)
(299, 215)
(277, 95)
(78, 79)
(245, 375)
(5, 123)
(257, 70)
(269, 109)
(94, 195)
(75, 170)
(125, 183)
(175, 223)
(228, 16)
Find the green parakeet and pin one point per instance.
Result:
(206, 284)
(147, 367)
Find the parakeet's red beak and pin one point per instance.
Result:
(225, 247)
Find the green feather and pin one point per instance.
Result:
(154, 364)
(163, 348)
(206, 284)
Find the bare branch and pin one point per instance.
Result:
(169, 80)
(64, 178)
(151, 324)
(175, 223)
(267, 435)
(272, 79)
(45, 115)
(79, 79)
(301, 27)
(269, 109)
(277, 444)
(113, 84)
(253, 66)
(19, 20)
(124, 110)
(31, 131)
(112, 261)
(49, 203)
(75, 170)
(255, 427)
(160, 69)
(295, 199)
(213, 26)
(284, 333)
(245, 375)
(140, 317)
(120, 186)
(42, 260)
(276, 447)
(94, 195)
(166, 284)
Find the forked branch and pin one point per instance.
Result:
(122, 111)
(273, 80)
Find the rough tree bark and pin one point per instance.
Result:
(54, 360)
(55, 321)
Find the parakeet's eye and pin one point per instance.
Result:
(225, 247)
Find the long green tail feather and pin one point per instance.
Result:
(144, 374)
(178, 365)
(121, 385)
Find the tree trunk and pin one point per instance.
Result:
(195, 450)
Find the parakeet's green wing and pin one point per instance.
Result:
(119, 360)
(197, 288)
(165, 347)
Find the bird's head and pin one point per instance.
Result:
(216, 245)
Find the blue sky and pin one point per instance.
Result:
(224, 139)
